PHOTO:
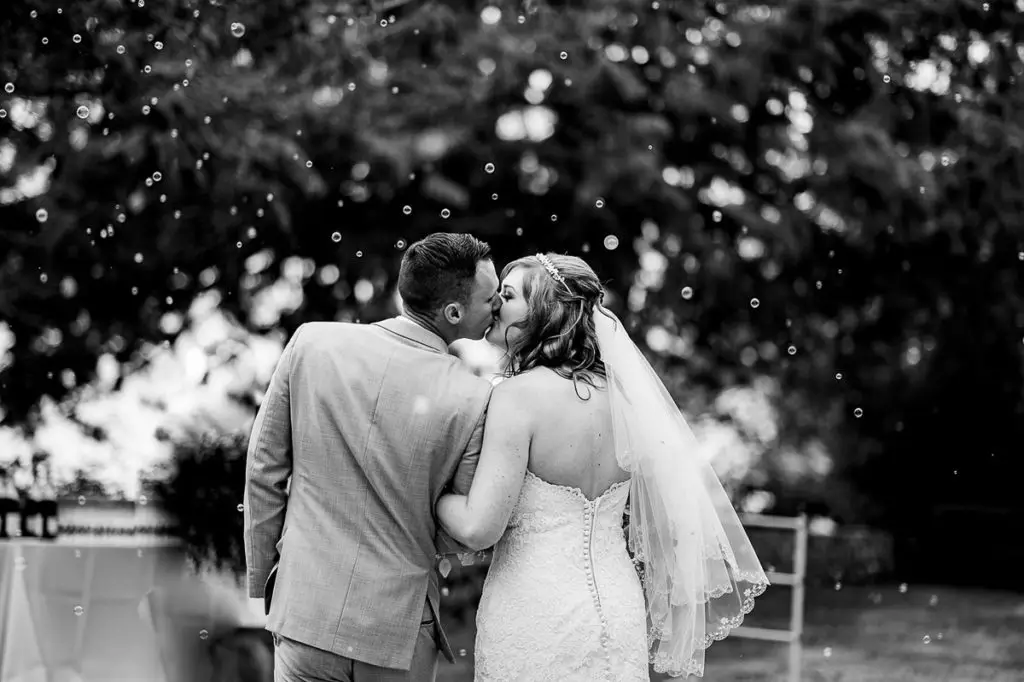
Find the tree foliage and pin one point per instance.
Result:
(827, 193)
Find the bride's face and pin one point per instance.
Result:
(513, 309)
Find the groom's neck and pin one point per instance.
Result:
(429, 325)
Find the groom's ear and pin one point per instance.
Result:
(452, 313)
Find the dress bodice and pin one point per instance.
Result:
(559, 517)
(562, 601)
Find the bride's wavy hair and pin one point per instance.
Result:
(558, 331)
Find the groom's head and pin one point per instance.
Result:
(448, 281)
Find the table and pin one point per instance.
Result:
(78, 611)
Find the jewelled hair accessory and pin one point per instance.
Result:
(553, 271)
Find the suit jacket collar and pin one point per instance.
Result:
(411, 331)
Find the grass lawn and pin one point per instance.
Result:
(861, 634)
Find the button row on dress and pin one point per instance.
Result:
(587, 567)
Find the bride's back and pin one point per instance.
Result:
(572, 441)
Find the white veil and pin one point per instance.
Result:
(700, 574)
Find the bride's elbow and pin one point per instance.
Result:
(479, 546)
(479, 539)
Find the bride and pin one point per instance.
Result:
(580, 436)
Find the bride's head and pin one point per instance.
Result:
(547, 317)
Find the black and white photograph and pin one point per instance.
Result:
(511, 340)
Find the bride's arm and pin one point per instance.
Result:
(478, 519)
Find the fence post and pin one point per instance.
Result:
(795, 580)
(796, 616)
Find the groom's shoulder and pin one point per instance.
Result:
(466, 376)
(469, 394)
(313, 332)
(451, 375)
(317, 338)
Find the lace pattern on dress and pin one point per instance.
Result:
(562, 601)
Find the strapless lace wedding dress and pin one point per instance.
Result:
(562, 601)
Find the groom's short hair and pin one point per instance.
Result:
(439, 269)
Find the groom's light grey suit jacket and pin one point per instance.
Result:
(368, 423)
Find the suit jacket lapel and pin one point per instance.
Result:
(410, 331)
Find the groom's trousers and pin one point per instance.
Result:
(298, 662)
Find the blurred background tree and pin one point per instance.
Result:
(818, 199)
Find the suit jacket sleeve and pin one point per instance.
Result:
(471, 457)
(268, 468)
(462, 481)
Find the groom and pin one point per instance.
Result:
(361, 429)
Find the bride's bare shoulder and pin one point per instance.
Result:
(532, 378)
(524, 387)
(516, 383)
(510, 401)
